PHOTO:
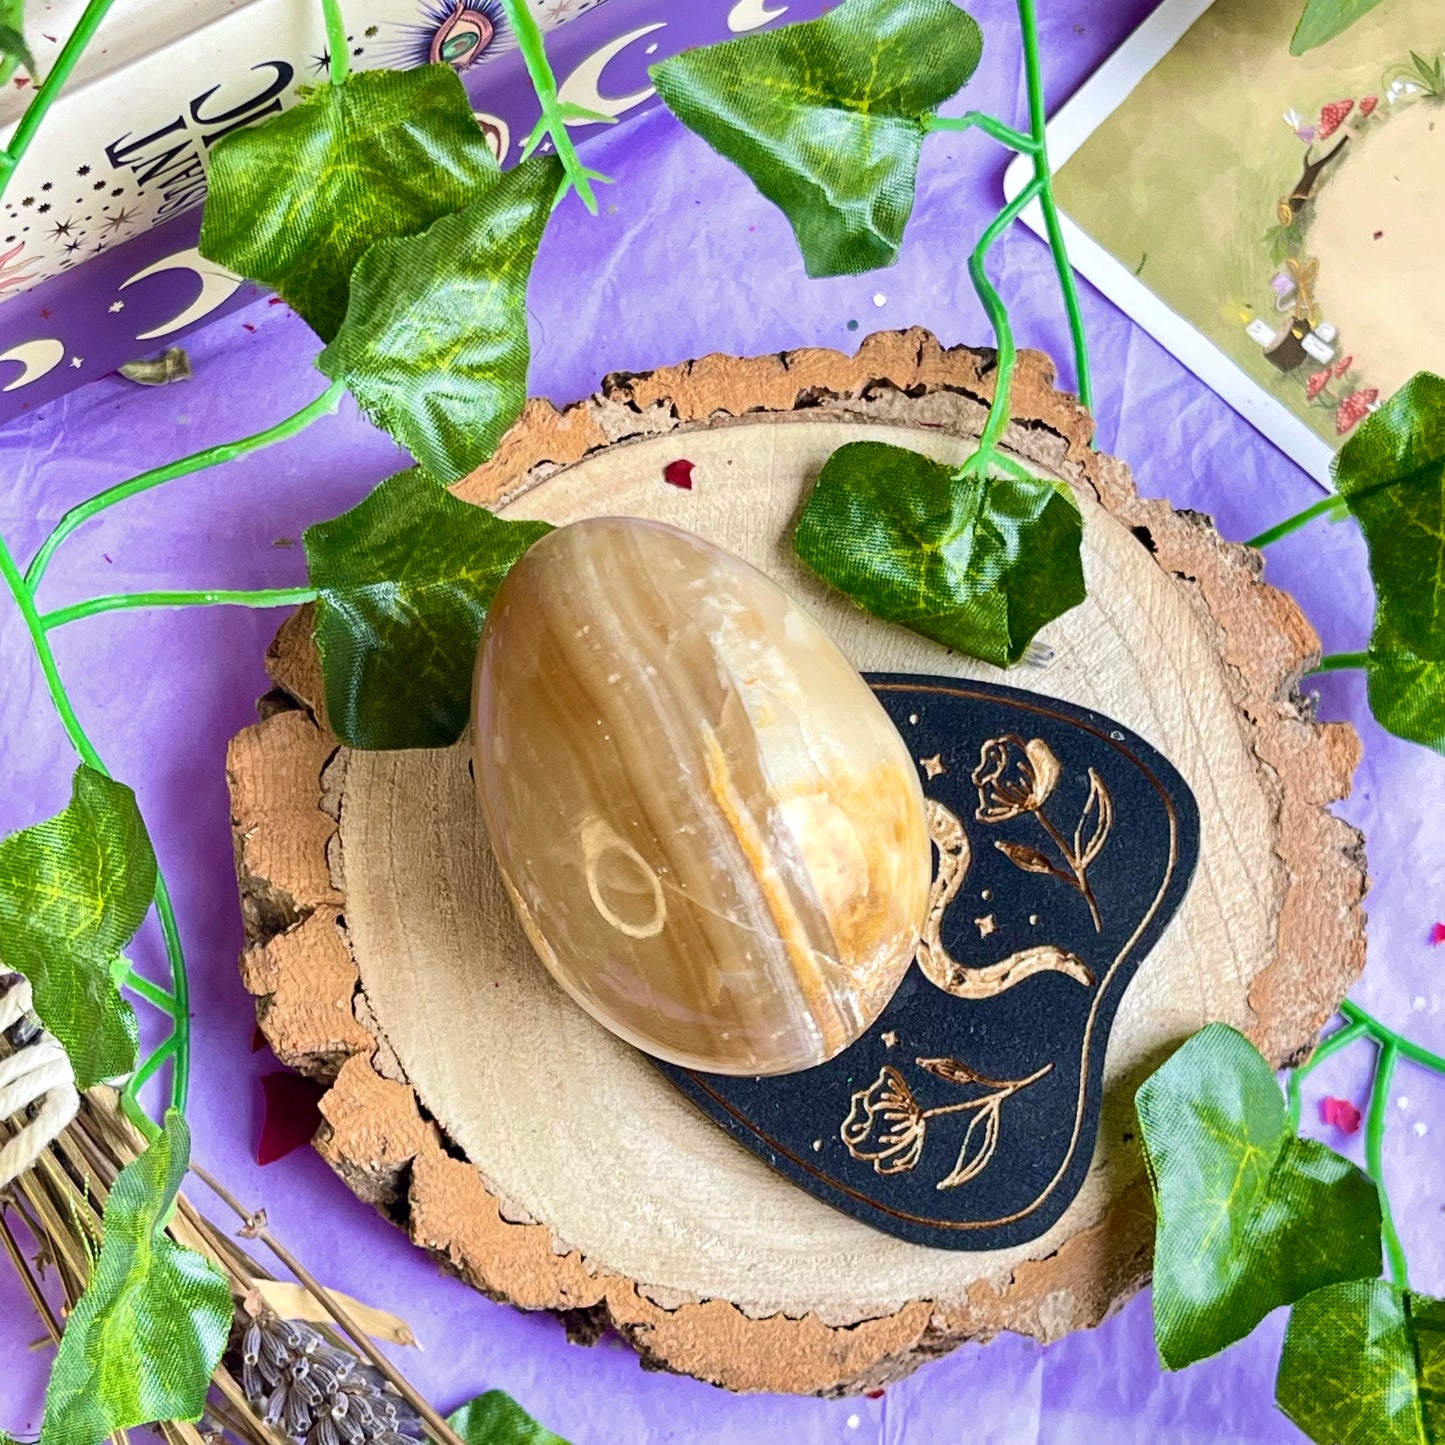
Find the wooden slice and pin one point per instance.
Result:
(546, 1162)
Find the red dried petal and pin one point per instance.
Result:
(679, 474)
(1437, 935)
(290, 1117)
(1340, 1114)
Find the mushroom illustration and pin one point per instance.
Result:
(1354, 409)
(1343, 365)
(1333, 116)
(1318, 384)
(1368, 106)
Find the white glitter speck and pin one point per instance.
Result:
(853, 1422)
(1421, 1003)
(1402, 1102)
(879, 299)
(1421, 1128)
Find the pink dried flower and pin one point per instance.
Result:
(1340, 1114)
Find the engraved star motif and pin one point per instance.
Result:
(62, 228)
(121, 218)
(985, 925)
(73, 245)
(933, 766)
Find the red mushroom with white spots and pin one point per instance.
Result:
(1354, 409)
(1333, 116)
(1343, 365)
(1318, 384)
(1368, 106)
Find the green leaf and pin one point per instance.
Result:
(1323, 20)
(979, 564)
(405, 580)
(1249, 1216)
(294, 202)
(1391, 474)
(148, 1332)
(12, 44)
(497, 1419)
(434, 345)
(73, 891)
(1364, 1364)
(828, 117)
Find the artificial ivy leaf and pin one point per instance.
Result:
(434, 345)
(1323, 20)
(1364, 1364)
(1249, 1216)
(979, 564)
(1391, 475)
(497, 1419)
(1407, 693)
(405, 580)
(12, 44)
(148, 1332)
(828, 117)
(296, 200)
(73, 891)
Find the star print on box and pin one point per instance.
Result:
(965, 1118)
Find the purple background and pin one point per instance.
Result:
(685, 259)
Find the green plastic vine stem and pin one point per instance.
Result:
(1342, 661)
(1328, 507)
(324, 404)
(1391, 1047)
(555, 114)
(1041, 189)
(338, 44)
(44, 97)
(127, 601)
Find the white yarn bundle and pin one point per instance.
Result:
(36, 1073)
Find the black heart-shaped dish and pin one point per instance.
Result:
(965, 1118)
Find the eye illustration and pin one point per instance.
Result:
(459, 33)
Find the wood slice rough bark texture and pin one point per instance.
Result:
(541, 1159)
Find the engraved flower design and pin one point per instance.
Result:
(886, 1125)
(1014, 777)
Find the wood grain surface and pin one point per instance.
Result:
(545, 1161)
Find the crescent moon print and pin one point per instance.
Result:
(752, 15)
(217, 286)
(459, 33)
(581, 87)
(37, 358)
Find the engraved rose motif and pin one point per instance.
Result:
(1014, 777)
(886, 1125)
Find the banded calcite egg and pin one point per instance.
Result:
(712, 834)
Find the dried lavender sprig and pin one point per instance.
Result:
(318, 1393)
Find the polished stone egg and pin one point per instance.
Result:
(712, 833)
